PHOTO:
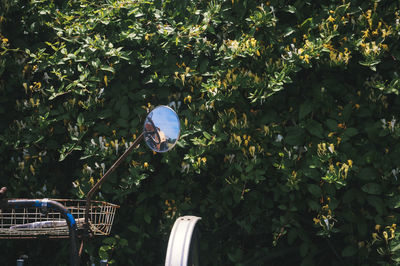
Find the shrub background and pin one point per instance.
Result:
(289, 148)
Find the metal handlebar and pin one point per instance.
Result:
(50, 204)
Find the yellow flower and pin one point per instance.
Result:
(32, 169)
(332, 55)
(385, 235)
(391, 233)
(384, 47)
(331, 148)
(330, 19)
(375, 48)
(350, 162)
(344, 168)
(368, 14)
(307, 58)
(375, 236)
(377, 227)
(365, 33)
(188, 99)
(316, 220)
(252, 150)
(146, 165)
(253, 42)
(134, 163)
(386, 33)
(5, 40)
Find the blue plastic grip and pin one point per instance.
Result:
(37, 203)
(71, 220)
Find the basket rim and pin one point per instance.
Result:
(72, 200)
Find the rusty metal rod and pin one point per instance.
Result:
(104, 177)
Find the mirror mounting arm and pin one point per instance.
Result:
(109, 171)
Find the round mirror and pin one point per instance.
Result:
(161, 129)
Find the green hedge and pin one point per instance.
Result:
(289, 149)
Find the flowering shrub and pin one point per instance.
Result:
(289, 144)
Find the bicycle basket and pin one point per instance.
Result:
(34, 221)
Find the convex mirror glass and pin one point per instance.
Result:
(161, 129)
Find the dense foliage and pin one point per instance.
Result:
(289, 149)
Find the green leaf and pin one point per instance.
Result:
(249, 168)
(372, 188)
(108, 68)
(314, 189)
(394, 246)
(207, 135)
(134, 228)
(368, 174)
(349, 251)
(292, 235)
(350, 132)
(295, 136)
(362, 228)
(394, 202)
(314, 128)
(347, 110)
(147, 218)
(332, 124)
(80, 120)
(314, 205)
(312, 173)
(378, 203)
(290, 9)
(288, 31)
(371, 64)
(103, 252)
(109, 241)
(305, 109)
(123, 123)
(105, 114)
(304, 249)
(306, 23)
(124, 111)
(55, 95)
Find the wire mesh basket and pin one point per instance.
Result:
(33, 222)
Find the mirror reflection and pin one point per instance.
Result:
(161, 129)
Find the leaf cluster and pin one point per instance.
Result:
(289, 111)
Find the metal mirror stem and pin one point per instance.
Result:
(161, 131)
